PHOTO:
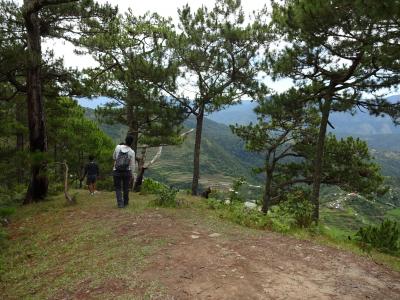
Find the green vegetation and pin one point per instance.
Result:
(61, 251)
(162, 80)
(333, 70)
(67, 255)
(166, 196)
(385, 237)
(151, 186)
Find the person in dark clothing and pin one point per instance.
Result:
(123, 171)
(91, 173)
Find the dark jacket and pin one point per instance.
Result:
(92, 169)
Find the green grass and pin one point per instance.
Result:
(60, 250)
(336, 229)
(394, 214)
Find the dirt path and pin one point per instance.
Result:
(88, 252)
(201, 264)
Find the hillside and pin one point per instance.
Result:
(95, 251)
(382, 136)
(223, 157)
(361, 124)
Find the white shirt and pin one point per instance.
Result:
(131, 154)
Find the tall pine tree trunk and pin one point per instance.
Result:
(19, 111)
(141, 169)
(196, 158)
(134, 132)
(38, 186)
(319, 155)
(133, 125)
(268, 183)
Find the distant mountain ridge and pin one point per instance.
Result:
(223, 156)
(361, 124)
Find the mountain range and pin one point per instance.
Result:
(361, 124)
(224, 159)
(223, 156)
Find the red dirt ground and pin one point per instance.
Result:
(268, 266)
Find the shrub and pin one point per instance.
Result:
(218, 195)
(213, 203)
(384, 238)
(6, 211)
(295, 211)
(247, 217)
(239, 214)
(234, 192)
(150, 186)
(281, 220)
(166, 197)
(55, 189)
(105, 184)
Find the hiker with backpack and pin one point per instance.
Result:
(91, 173)
(123, 171)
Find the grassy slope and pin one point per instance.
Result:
(65, 251)
(60, 249)
(346, 213)
(222, 159)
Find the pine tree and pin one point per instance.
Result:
(134, 61)
(286, 132)
(217, 49)
(343, 50)
(26, 26)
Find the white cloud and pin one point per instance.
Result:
(168, 8)
(165, 8)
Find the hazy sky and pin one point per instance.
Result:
(169, 7)
(166, 8)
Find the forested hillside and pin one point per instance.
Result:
(224, 157)
(175, 185)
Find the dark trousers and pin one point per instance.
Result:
(121, 181)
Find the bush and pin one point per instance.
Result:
(281, 220)
(234, 191)
(218, 195)
(247, 217)
(105, 184)
(384, 238)
(295, 211)
(55, 189)
(150, 186)
(214, 203)
(166, 197)
(6, 211)
(239, 214)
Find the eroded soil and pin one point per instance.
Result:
(199, 259)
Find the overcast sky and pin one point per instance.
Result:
(166, 8)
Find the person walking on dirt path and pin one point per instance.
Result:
(91, 172)
(123, 171)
